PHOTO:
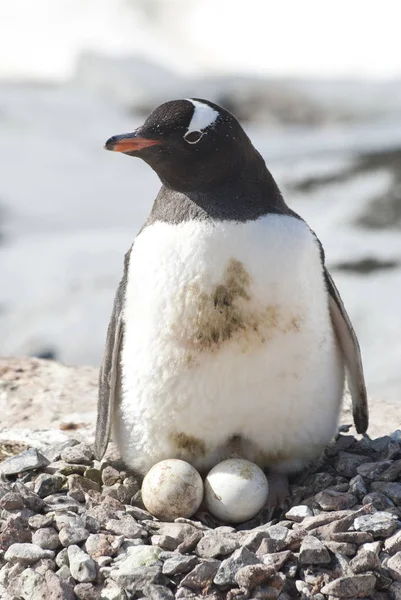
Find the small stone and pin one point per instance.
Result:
(46, 484)
(82, 566)
(350, 587)
(202, 575)
(395, 591)
(252, 576)
(378, 500)
(390, 489)
(61, 559)
(46, 538)
(352, 537)
(28, 460)
(31, 500)
(63, 468)
(134, 579)
(268, 546)
(357, 486)
(212, 545)
(373, 470)
(178, 564)
(43, 565)
(394, 566)
(276, 559)
(100, 544)
(56, 502)
(78, 486)
(94, 475)
(112, 591)
(73, 535)
(347, 463)
(313, 552)
(190, 543)
(332, 500)
(27, 554)
(86, 591)
(298, 513)
(15, 529)
(341, 547)
(367, 559)
(80, 454)
(54, 452)
(158, 592)
(11, 501)
(126, 526)
(393, 543)
(392, 473)
(39, 521)
(379, 524)
(110, 475)
(225, 576)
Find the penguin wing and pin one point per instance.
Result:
(109, 376)
(352, 355)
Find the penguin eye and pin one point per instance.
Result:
(193, 137)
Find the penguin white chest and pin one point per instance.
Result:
(227, 341)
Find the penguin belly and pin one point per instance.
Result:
(228, 346)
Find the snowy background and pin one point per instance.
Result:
(317, 86)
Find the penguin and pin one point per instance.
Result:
(228, 336)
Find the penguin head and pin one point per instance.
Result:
(192, 144)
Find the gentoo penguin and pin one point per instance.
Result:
(228, 336)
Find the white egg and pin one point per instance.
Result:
(172, 488)
(236, 490)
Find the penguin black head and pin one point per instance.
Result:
(191, 144)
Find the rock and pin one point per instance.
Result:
(43, 565)
(15, 529)
(202, 575)
(341, 547)
(332, 500)
(158, 592)
(78, 486)
(80, 454)
(134, 579)
(367, 559)
(73, 535)
(37, 586)
(252, 576)
(110, 476)
(173, 534)
(31, 500)
(357, 486)
(82, 566)
(94, 475)
(298, 513)
(126, 526)
(112, 591)
(46, 538)
(352, 537)
(313, 552)
(12, 501)
(355, 586)
(268, 546)
(379, 524)
(29, 460)
(394, 566)
(347, 463)
(39, 521)
(61, 559)
(46, 484)
(225, 576)
(378, 500)
(86, 591)
(276, 559)
(212, 545)
(27, 554)
(190, 543)
(373, 470)
(175, 565)
(390, 489)
(100, 544)
(393, 543)
(56, 502)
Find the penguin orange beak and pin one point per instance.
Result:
(129, 142)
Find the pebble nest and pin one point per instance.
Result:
(73, 528)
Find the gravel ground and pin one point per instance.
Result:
(74, 528)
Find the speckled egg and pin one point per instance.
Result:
(172, 488)
(236, 490)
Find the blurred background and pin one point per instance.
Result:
(317, 85)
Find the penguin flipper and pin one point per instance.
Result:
(109, 375)
(349, 345)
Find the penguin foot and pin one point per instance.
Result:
(278, 491)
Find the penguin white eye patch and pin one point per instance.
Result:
(193, 137)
